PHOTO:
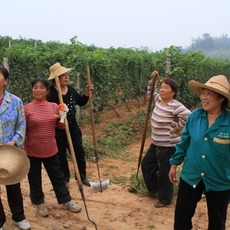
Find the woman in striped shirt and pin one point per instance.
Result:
(41, 148)
(167, 120)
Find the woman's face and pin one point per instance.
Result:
(3, 81)
(210, 100)
(64, 79)
(166, 92)
(39, 91)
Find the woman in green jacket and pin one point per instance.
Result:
(205, 151)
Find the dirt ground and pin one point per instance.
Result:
(115, 208)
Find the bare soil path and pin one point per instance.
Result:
(112, 209)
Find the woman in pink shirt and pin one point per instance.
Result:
(40, 146)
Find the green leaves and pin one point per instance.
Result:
(117, 74)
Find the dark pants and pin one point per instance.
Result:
(54, 171)
(79, 151)
(155, 168)
(187, 199)
(15, 202)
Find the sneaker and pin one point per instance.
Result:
(42, 210)
(159, 204)
(24, 224)
(72, 206)
(85, 182)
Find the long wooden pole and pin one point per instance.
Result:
(93, 124)
(69, 139)
(76, 170)
(153, 82)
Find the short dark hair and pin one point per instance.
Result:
(42, 80)
(225, 101)
(172, 83)
(4, 72)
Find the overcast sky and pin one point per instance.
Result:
(156, 24)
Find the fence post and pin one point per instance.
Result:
(6, 65)
(77, 86)
(167, 66)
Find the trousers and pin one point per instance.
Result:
(54, 171)
(15, 201)
(155, 168)
(187, 199)
(62, 144)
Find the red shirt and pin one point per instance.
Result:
(40, 129)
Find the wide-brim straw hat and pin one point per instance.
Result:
(14, 164)
(219, 84)
(57, 70)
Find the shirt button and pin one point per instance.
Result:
(205, 138)
(203, 156)
(202, 174)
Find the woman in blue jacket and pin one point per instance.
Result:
(205, 151)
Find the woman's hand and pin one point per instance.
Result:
(88, 88)
(172, 174)
(154, 74)
(11, 143)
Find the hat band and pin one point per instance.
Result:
(214, 82)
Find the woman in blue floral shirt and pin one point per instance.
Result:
(205, 151)
(12, 132)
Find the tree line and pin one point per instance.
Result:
(117, 73)
(218, 47)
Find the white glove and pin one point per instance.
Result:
(63, 110)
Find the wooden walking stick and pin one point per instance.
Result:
(76, 170)
(153, 81)
(93, 124)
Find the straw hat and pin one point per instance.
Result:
(57, 70)
(218, 84)
(14, 164)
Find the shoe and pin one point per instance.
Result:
(85, 182)
(24, 224)
(159, 204)
(153, 195)
(72, 206)
(42, 210)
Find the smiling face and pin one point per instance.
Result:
(40, 91)
(210, 100)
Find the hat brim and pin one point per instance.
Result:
(59, 72)
(14, 164)
(197, 87)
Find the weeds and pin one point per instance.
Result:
(115, 136)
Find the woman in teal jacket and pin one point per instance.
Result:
(205, 151)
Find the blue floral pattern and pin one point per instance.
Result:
(12, 120)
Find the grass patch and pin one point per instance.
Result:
(119, 180)
(115, 136)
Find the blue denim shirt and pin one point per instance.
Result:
(12, 120)
(205, 151)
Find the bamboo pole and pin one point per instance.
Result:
(153, 82)
(80, 186)
(93, 124)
